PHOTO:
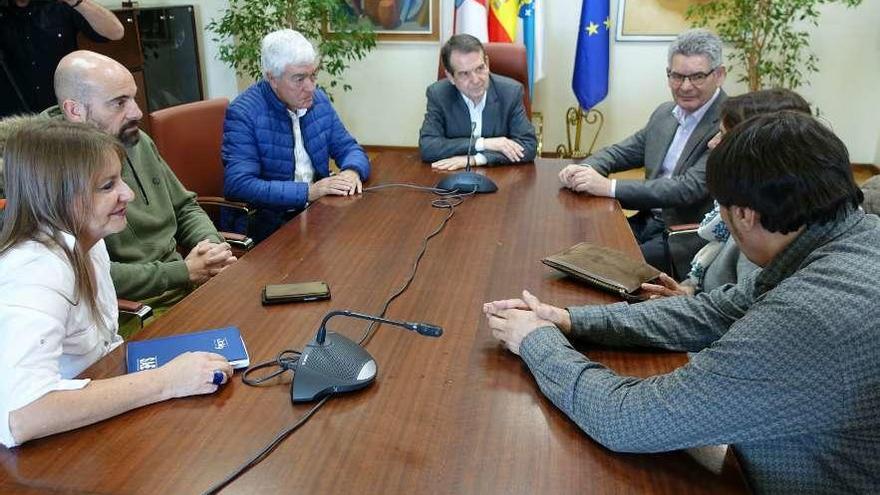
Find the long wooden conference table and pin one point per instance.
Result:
(455, 414)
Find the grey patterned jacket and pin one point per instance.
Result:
(787, 367)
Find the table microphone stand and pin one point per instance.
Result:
(467, 181)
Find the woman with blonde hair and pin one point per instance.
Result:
(57, 302)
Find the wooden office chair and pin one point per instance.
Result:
(507, 59)
(188, 137)
(682, 242)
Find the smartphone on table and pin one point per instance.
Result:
(298, 292)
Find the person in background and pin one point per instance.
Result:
(34, 36)
(58, 309)
(720, 262)
(473, 108)
(785, 366)
(279, 136)
(672, 149)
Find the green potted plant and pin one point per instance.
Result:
(339, 35)
(766, 36)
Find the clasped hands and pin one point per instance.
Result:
(207, 259)
(583, 178)
(506, 146)
(511, 320)
(345, 183)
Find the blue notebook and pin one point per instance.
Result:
(153, 353)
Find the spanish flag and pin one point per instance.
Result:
(503, 20)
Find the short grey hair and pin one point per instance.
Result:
(285, 47)
(697, 42)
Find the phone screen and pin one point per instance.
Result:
(303, 289)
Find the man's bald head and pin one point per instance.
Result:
(91, 87)
(80, 73)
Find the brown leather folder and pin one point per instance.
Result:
(604, 268)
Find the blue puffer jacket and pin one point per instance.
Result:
(258, 149)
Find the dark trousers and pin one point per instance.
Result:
(649, 231)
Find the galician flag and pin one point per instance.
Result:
(471, 17)
(590, 80)
(531, 34)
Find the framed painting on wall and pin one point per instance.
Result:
(400, 20)
(652, 20)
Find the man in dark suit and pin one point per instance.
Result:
(472, 102)
(673, 149)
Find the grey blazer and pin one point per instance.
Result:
(871, 190)
(447, 126)
(683, 196)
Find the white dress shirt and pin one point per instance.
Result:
(475, 110)
(46, 336)
(303, 170)
(687, 122)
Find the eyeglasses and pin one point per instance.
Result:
(697, 78)
(300, 79)
(480, 70)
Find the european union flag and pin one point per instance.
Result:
(590, 80)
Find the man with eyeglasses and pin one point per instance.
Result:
(279, 136)
(783, 365)
(673, 149)
(474, 111)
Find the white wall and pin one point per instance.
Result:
(387, 103)
(845, 88)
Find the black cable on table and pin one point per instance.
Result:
(288, 359)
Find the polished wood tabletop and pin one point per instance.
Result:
(455, 414)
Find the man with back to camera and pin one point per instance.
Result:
(785, 364)
(472, 98)
(673, 149)
(35, 35)
(146, 265)
(279, 136)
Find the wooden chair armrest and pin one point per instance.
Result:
(239, 241)
(224, 203)
(687, 228)
(139, 309)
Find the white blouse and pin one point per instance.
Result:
(46, 336)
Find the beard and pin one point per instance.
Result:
(129, 134)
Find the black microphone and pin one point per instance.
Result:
(333, 363)
(426, 329)
(467, 167)
(467, 182)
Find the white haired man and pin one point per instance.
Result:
(279, 136)
(673, 149)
